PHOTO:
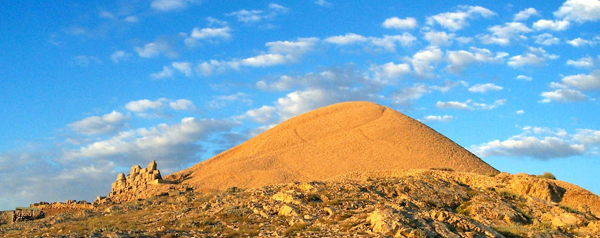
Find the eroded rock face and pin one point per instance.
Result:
(138, 179)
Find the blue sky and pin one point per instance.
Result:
(89, 89)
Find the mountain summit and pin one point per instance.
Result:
(330, 141)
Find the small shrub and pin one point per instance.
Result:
(464, 209)
(547, 175)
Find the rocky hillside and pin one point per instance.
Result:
(416, 203)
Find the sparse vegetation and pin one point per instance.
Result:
(547, 175)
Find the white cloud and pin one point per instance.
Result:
(484, 88)
(585, 62)
(551, 25)
(546, 39)
(105, 124)
(284, 83)
(131, 19)
(520, 112)
(145, 104)
(323, 3)
(423, 62)
(155, 49)
(458, 20)
(263, 114)
(408, 95)
(524, 77)
(584, 81)
(85, 60)
(183, 67)
(578, 42)
(211, 67)
(294, 48)
(459, 60)
(402, 24)
(389, 43)
(278, 8)
(391, 70)
(171, 5)
(439, 38)
(534, 56)
(165, 73)
(119, 56)
(266, 60)
(298, 102)
(483, 106)
(432, 118)
(224, 100)
(348, 39)
(542, 143)
(212, 35)
(563, 95)
(253, 16)
(579, 10)
(182, 105)
(503, 34)
(454, 105)
(526, 14)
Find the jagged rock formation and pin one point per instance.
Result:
(415, 203)
(329, 141)
(137, 179)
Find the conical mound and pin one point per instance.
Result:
(330, 141)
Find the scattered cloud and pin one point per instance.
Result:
(86, 60)
(165, 73)
(524, 77)
(156, 49)
(551, 25)
(520, 112)
(586, 82)
(458, 61)
(323, 3)
(391, 70)
(484, 88)
(432, 118)
(348, 39)
(147, 109)
(563, 95)
(425, 60)
(526, 14)
(457, 20)
(503, 34)
(401, 24)
(546, 39)
(542, 143)
(264, 114)
(171, 5)
(254, 16)
(454, 105)
(580, 11)
(534, 56)
(118, 56)
(439, 38)
(585, 62)
(105, 124)
(578, 42)
(182, 105)
(183, 67)
(211, 35)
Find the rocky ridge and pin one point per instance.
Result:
(415, 203)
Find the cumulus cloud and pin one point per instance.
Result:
(457, 20)
(212, 35)
(542, 143)
(454, 105)
(145, 104)
(119, 56)
(173, 145)
(563, 95)
(432, 118)
(401, 24)
(534, 56)
(503, 34)
(484, 88)
(585, 82)
(165, 73)
(439, 38)
(425, 60)
(546, 39)
(285, 82)
(524, 77)
(579, 42)
(224, 100)
(253, 16)
(526, 14)
(389, 43)
(579, 10)
(155, 49)
(105, 124)
(520, 112)
(183, 67)
(293, 48)
(348, 39)
(264, 114)
(148, 108)
(171, 5)
(182, 105)
(390, 70)
(458, 61)
(551, 25)
(585, 62)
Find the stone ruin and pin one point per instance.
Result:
(21, 214)
(138, 178)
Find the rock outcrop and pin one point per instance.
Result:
(137, 179)
(21, 214)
